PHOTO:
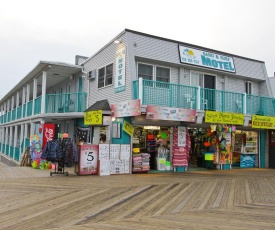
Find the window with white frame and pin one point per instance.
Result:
(248, 87)
(162, 74)
(151, 72)
(145, 71)
(105, 76)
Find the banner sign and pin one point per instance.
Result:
(169, 113)
(128, 128)
(93, 117)
(48, 133)
(88, 161)
(120, 71)
(224, 118)
(126, 108)
(206, 59)
(35, 147)
(263, 122)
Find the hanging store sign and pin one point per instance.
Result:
(169, 113)
(120, 71)
(128, 128)
(263, 122)
(181, 136)
(93, 117)
(224, 118)
(48, 133)
(206, 59)
(126, 108)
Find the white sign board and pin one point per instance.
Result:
(181, 136)
(206, 59)
(120, 71)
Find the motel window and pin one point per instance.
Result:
(145, 71)
(162, 74)
(105, 76)
(248, 87)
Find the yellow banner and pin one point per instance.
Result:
(93, 117)
(263, 122)
(128, 128)
(224, 118)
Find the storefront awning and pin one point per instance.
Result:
(100, 105)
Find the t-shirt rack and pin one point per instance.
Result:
(62, 152)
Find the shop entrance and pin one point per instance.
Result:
(272, 150)
(151, 149)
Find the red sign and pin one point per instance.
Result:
(48, 133)
(88, 159)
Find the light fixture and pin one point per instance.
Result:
(118, 41)
(113, 118)
(152, 127)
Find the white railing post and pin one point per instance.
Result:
(140, 89)
(198, 98)
(244, 103)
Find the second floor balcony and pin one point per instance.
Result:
(190, 97)
(54, 103)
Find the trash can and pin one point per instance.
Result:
(161, 164)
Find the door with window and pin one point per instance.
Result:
(209, 92)
(208, 85)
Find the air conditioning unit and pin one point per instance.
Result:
(92, 74)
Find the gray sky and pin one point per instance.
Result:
(57, 30)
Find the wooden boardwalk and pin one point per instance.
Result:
(214, 199)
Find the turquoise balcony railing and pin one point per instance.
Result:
(166, 94)
(182, 96)
(29, 108)
(9, 117)
(37, 105)
(67, 102)
(24, 110)
(55, 103)
(16, 153)
(19, 112)
(13, 114)
(11, 153)
(224, 101)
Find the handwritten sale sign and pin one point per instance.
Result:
(93, 117)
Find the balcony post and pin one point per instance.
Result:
(198, 98)
(10, 140)
(43, 95)
(15, 138)
(244, 103)
(140, 90)
(26, 135)
(27, 99)
(17, 105)
(23, 101)
(34, 95)
(21, 135)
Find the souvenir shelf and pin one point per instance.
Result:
(248, 156)
(140, 161)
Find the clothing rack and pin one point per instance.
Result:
(60, 155)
